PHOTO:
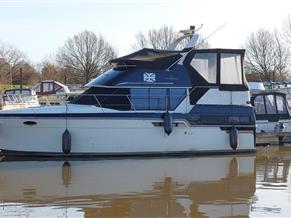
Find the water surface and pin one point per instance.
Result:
(255, 185)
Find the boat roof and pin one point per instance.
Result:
(269, 92)
(146, 58)
(163, 68)
(256, 86)
(19, 91)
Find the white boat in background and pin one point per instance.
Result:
(50, 87)
(153, 102)
(216, 186)
(19, 98)
(51, 92)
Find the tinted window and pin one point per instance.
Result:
(105, 97)
(270, 104)
(158, 99)
(260, 105)
(281, 105)
(148, 99)
(140, 98)
(176, 97)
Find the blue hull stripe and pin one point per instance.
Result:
(22, 155)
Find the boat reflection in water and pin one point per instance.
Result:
(216, 186)
(273, 183)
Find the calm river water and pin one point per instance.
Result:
(256, 185)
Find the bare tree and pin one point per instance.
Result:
(161, 39)
(87, 54)
(10, 60)
(287, 31)
(266, 56)
(49, 71)
(10, 55)
(281, 58)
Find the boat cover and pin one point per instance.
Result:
(149, 59)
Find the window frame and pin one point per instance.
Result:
(241, 69)
(167, 96)
(216, 66)
(272, 117)
(198, 80)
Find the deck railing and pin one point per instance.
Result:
(129, 102)
(136, 102)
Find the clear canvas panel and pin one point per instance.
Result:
(260, 105)
(231, 72)
(281, 105)
(270, 104)
(205, 64)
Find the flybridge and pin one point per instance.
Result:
(204, 67)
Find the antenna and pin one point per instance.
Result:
(191, 41)
(215, 31)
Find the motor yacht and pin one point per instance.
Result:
(152, 102)
(272, 117)
(19, 98)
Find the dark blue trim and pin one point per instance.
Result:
(87, 115)
(218, 115)
(223, 114)
(11, 155)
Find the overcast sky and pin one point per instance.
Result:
(40, 27)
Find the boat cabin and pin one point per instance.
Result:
(272, 118)
(271, 106)
(50, 87)
(19, 98)
(160, 80)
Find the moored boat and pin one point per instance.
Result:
(272, 117)
(19, 98)
(153, 102)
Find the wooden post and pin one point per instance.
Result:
(21, 79)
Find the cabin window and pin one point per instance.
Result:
(132, 99)
(58, 88)
(176, 97)
(148, 99)
(205, 64)
(260, 105)
(281, 105)
(230, 68)
(270, 104)
(113, 98)
(48, 87)
(139, 99)
(156, 98)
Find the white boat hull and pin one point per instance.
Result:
(116, 136)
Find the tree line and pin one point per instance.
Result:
(86, 55)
